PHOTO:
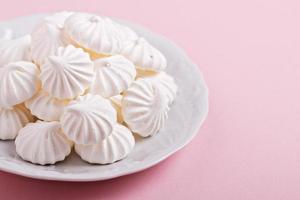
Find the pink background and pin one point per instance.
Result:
(249, 146)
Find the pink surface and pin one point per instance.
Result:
(249, 146)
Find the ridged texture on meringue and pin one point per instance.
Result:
(15, 50)
(12, 120)
(42, 143)
(18, 83)
(113, 75)
(46, 107)
(166, 83)
(93, 32)
(125, 33)
(68, 73)
(116, 102)
(145, 108)
(144, 55)
(116, 147)
(46, 38)
(89, 119)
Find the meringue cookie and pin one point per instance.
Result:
(46, 107)
(46, 38)
(12, 120)
(166, 83)
(15, 50)
(89, 119)
(145, 107)
(144, 55)
(18, 83)
(94, 33)
(58, 18)
(42, 143)
(116, 102)
(116, 147)
(113, 75)
(67, 73)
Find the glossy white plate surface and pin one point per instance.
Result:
(186, 116)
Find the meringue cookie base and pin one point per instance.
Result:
(186, 116)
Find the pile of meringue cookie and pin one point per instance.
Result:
(81, 80)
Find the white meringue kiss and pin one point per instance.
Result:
(46, 38)
(12, 120)
(46, 107)
(67, 73)
(113, 75)
(42, 143)
(144, 55)
(95, 33)
(116, 147)
(14, 50)
(166, 83)
(18, 83)
(145, 107)
(89, 119)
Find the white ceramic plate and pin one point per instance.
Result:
(185, 118)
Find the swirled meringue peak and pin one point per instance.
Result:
(46, 107)
(145, 107)
(12, 120)
(18, 83)
(46, 38)
(144, 55)
(165, 82)
(67, 73)
(42, 143)
(14, 50)
(116, 102)
(92, 32)
(116, 147)
(89, 119)
(113, 75)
